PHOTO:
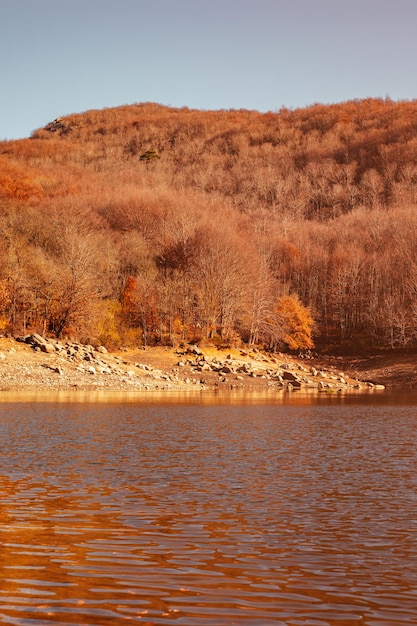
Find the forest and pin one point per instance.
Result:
(145, 224)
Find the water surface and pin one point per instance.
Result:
(213, 512)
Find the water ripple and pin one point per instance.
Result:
(199, 515)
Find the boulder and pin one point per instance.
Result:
(295, 384)
(47, 347)
(22, 338)
(37, 339)
(194, 350)
(286, 375)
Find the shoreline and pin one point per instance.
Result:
(34, 364)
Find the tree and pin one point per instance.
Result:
(296, 323)
(220, 279)
(75, 286)
(140, 310)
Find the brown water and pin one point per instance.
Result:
(298, 513)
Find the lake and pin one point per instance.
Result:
(295, 510)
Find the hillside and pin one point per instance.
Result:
(147, 225)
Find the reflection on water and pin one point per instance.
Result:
(306, 397)
(211, 514)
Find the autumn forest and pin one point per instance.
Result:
(143, 225)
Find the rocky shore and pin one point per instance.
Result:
(34, 363)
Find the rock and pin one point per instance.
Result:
(47, 347)
(22, 339)
(286, 375)
(91, 369)
(36, 339)
(102, 350)
(194, 350)
(295, 384)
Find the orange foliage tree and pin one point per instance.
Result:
(295, 322)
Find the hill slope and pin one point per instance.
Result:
(145, 224)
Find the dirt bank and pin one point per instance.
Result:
(392, 369)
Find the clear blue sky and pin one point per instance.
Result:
(68, 56)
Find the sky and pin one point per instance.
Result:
(68, 56)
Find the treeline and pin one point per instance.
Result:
(145, 224)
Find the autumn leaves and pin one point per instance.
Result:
(274, 229)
